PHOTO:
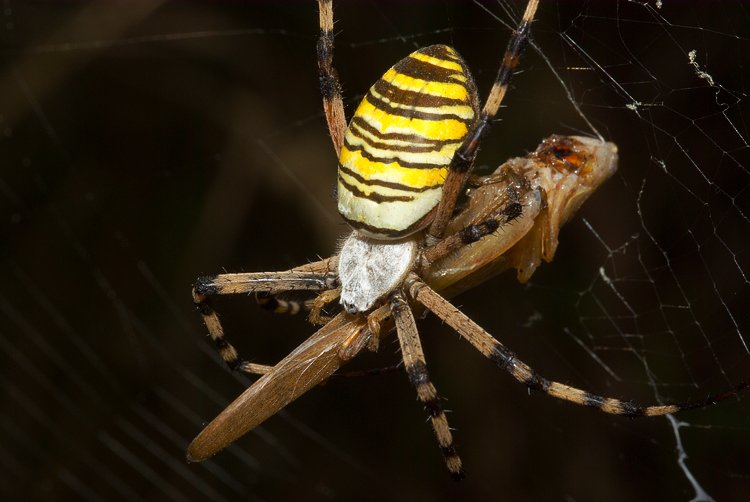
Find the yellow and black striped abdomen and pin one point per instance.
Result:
(401, 141)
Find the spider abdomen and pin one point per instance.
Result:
(401, 140)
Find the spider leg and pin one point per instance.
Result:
(269, 283)
(506, 359)
(470, 234)
(265, 282)
(330, 88)
(463, 159)
(316, 306)
(272, 303)
(225, 349)
(416, 368)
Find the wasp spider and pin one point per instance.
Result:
(403, 161)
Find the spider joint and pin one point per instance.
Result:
(418, 376)
(630, 409)
(331, 281)
(502, 357)
(433, 408)
(413, 283)
(202, 306)
(534, 382)
(205, 286)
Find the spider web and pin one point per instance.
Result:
(144, 144)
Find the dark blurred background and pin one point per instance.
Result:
(147, 143)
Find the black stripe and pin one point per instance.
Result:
(516, 45)
(374, 196)
(630, 409)
(267, 301)
(388, 184)
(387, 232)
(592, 400)
(414, 68)
(440, 51)
(414, 98)
(433, 407)
(422, 70)
(221, 344)
(417, 371)
(205, 286)
(626, 408)
(392, 160)
(361, 123)
(204, 308)
(355, 130)
(501, 355)
(536, 382)
(411, 113)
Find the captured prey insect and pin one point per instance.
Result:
(404, 161)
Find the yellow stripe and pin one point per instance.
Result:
(432, 129)
(438, 156)
(416, 178)
(359, 135)
(369, 190)
(442, 63)
(455, 91)
(463, 111)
